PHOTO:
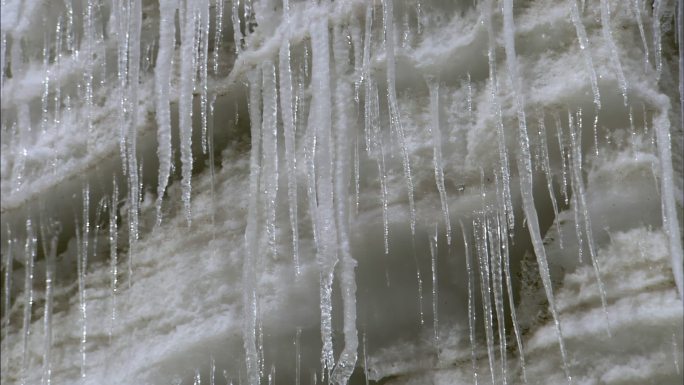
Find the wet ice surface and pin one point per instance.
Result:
(347, 192)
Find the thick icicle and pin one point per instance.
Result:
(249, 294)
(546, 166)
(326, 253)
(657, 37)
(29, 260)
(584, 48)
(525, 172)
(203, 67)
(437, 154)
(218, 36)
(614, 56)
(637, 5)
(189, 19)
(269, 161)
(395, 115)
(235, 18)
(471, 303)
(287, 116)
(343, 128)
(162, 79)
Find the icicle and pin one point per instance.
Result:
(471, 303)
(189, 19)
(437, 154)
(113, 254)
(7, 291)
(197, 378)
(162, 79)
(563, 159)
(493, 226)
(578, 186)
(507, 273)
(435, 314)
(636, 8)
(89, 37)
(480, 233)
(494, 97)
(343, 127)
(657, 37)
(50, 265)
(395, 115)
(661, 125)
(235, 18)
(218, 36)
(549, 176)
(82, 266)
(287, 116)
(269, 160)
(366, 77)
(212, 371)
(203, 66)
(249, 294)
(608, 36)
(586, 52)
(134, 177)
(298, 356)
(326, 253)
(525, 172)
(29, 260)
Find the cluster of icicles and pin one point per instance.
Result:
(332, 150)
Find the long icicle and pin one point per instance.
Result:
(269, 152)
(480, 234)
(525, 172)
(162, 79)
(249, 294)
(287, 116)
(395, 115)
(614, 56)
(471, 305)
(113, 255)
(437, 154)
(343, 125)
(326, 253)
(492, 227)
(546, 166)
(29, 261)
(584, 48)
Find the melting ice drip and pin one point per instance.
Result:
(341, 100)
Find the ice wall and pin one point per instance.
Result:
(303, 192)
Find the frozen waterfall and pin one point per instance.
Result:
(342, 192)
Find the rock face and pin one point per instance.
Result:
(409, 192)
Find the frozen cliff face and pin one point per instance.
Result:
(303, 192)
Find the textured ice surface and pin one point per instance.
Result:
(279, 219)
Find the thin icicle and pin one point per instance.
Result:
(269, 131)
(189, 19)
(326, 253)
(343, 128)
(563, 159)
(395, 115)
(657, 37)
(249, 294)
(492, 227)
(29, 260)
(614, 55)
(7, 296)
(218, 36)
(525, 172)
(203, 67)
(113, 255)
(586, 52)
(287, 116)
(162, 79)
(548, 174)
(82, 267)
(50, 266)
(480, 233)
(437, 154)
(494, 97)
(637, 5)
(578, 187)
(435, 314)
(298, 356)
(507, 274)
(471, 304)
(366, 77)
(235, 18)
